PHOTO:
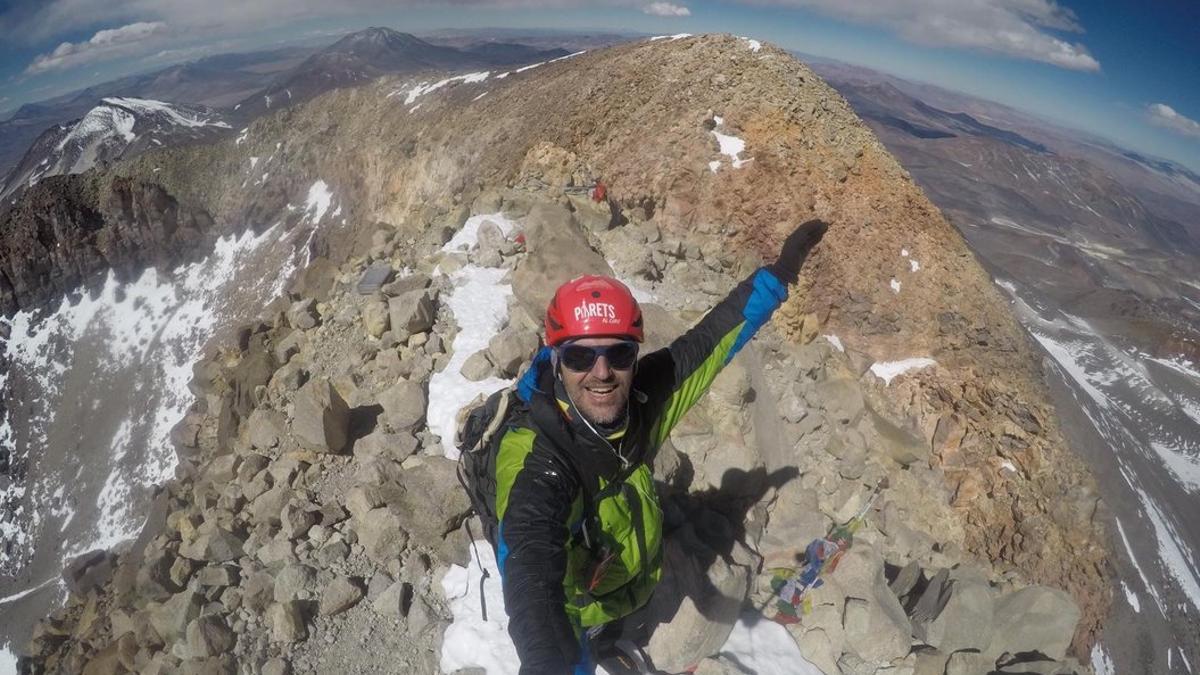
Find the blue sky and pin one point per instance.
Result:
(1129, 71)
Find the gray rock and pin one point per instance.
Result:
(377, 318)
(395, 601)
(268, 507)
(511, 347)
(321, 420)
(340, 596)
(302, 314)
(381, 535)
(289, 346)
(208, 636)
(430, 502)
(708, 602)
(287, 622)
(477, 367)
(265, 427)
(295, 521)
(258, 591)
(276, 666)
(965, 622)
(218, 576)
(412, 282)
(842, 400)
(212, 544)
(170, 619)
(403, 405)
(381, 444)
(879, 631)
(412, 312)
(295, 582)
(1037, 618)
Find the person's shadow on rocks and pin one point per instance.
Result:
(708, 562)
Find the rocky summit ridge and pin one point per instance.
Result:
(313, 515)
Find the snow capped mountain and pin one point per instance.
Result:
(116, 128)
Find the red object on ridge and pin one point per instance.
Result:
(600, 192)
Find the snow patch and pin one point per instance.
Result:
(836, 342)
(253, 163)
(318, 201)
(889, 370)
(1101, 663)
(1131, 597)
(479, 304)
(1007, 285)
(174, 115)
(677, 36)
(914, 265)
(530, 67)
(1174, 556)
(468, 237)
(764, 647)
(469, 641)
(894, 285)
(8, 662)
(730, 146)
(424, 88)
(753, 44)
(904, 253)
(1145, 582)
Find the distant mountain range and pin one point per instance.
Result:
(245, 86)
(373, 52)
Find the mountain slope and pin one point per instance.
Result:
(713, 149)
(369, 53)
(114, 129)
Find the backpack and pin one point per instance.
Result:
(478, 441)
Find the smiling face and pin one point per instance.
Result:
(602, 392)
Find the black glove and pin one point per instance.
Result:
(796, 248)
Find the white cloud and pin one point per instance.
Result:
(666, 9)
(1017, 28)
(105, 44)
(1165, 116)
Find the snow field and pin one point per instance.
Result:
(479, 303)
(150, 332)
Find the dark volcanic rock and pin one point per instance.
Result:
(68, 231)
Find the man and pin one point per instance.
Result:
(579, 541)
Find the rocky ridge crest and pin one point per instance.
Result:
(975, 425)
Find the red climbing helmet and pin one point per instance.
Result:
(593, 306)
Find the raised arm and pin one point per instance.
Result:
(695, 358)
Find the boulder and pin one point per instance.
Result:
(842, 400)
(381, 535)
(699, 598)
(477, 367)
(395, 600)
(295, 582)
(376, 317)
(404, 405)
(321, 419)
(876, 628)
(511, 347)
(411, 312)
(431, 503)
(1034, 619)
(381, 444)
(265, 428)
(212, 544)
(88, 571)
(965, 620)
(268, 506)
(286, 622)
(171, 618)
(340, 596)
(208, 636)
(303, 314)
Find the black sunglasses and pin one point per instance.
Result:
(581, 358)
